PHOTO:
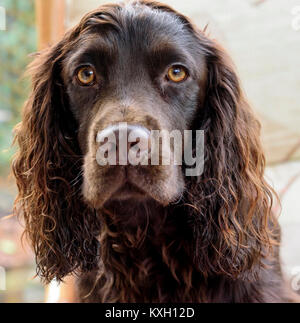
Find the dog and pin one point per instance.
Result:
(145, 233)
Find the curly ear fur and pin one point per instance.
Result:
(60, 227)
(231, 201)
(230, 205)
(48, 168)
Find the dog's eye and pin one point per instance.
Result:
(86, 76)
(177, 74)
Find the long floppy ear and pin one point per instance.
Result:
(47, 167)
(229, 205)
(231, 212)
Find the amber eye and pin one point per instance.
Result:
(177, 74)
(86, 76)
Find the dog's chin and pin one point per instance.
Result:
(133, 185)
(129, 191)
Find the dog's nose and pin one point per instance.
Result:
(124, 144)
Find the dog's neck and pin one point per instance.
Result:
(151, 243)
(133, 214)
(146, 256)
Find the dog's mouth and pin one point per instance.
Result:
(161, 183)
(128, 190)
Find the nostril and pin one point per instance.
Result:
(139, 137)
(108, 149)
(139, 144)
(125, 142)
(134, 143)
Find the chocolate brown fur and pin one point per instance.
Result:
(207, 239)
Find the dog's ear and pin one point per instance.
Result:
(231, 200)
(229, 205)
(47, 167)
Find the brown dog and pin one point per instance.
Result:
(145, 233)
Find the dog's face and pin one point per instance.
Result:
(143, 68)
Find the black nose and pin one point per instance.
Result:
(124, 144)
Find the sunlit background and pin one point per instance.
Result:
(263, 38)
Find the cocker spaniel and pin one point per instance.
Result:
(137, 232)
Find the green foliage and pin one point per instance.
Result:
(17, 42)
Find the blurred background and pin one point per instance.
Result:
(263, 38)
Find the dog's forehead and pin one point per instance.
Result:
(132, 34)
(139, 26)
(155, 22)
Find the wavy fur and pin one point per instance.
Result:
(218, 243)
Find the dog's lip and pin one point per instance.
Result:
(129, 187)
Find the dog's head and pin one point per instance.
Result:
(140, 65)
(144, 65)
